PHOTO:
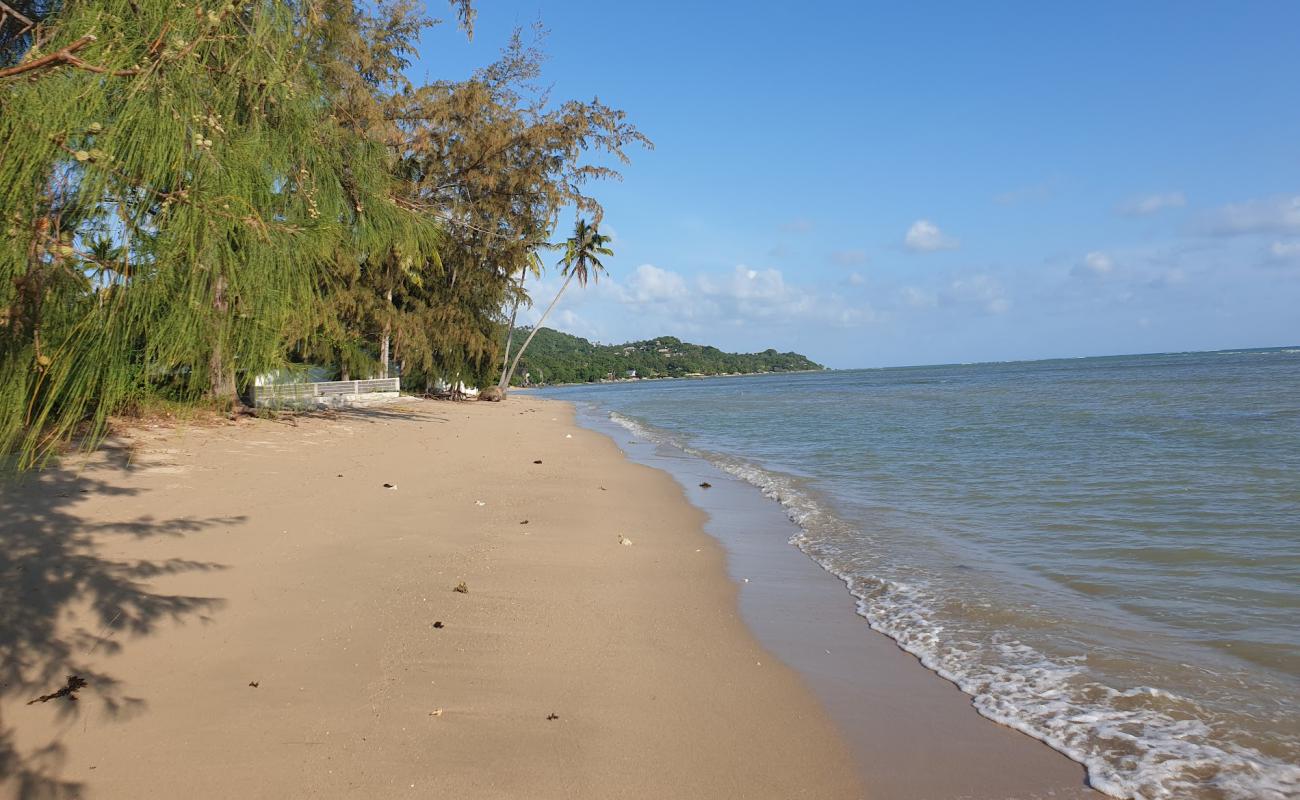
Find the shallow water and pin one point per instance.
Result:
(1104, 553)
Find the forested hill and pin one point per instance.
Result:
(555, 357)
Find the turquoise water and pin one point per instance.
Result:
(1103, 553)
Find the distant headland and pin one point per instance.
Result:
(555, 357)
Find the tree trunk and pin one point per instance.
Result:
(388, 336)
(510, 332)
(221, 370)
(505, 384)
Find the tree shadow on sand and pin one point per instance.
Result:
(51, 566)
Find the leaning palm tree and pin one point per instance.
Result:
(532, 266)
(581, 259)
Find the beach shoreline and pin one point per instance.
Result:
(257, 614)
(805, 616)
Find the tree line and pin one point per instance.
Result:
(196, 193)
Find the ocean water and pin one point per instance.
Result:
(1103, 553)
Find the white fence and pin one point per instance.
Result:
(325, 393)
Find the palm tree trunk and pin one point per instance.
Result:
(510, 332)
(505, 384)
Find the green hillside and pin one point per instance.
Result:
(555, 357)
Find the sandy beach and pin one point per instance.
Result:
(269, 609)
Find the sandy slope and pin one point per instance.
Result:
(174, 574)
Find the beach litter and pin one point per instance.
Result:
(479, 503)
(437, 712)
(438, 624)
(552, 716)
(255, 684)
(523, 522)
(462, 588)
(623, 540)
(706, 485)
(538, 461)
(390, 486)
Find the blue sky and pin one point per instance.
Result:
(886, 183)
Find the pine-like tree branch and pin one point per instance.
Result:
(64, 56)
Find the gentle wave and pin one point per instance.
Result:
(1142, 743)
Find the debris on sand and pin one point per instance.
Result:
(437, 712)
(255, 684)
(480, 503)
(525, 522)
(706, 485)
(462, 588)
(538, 461)
(438, 624)
(75, 683)
(390, 486)
(623, 540)
(552, 716)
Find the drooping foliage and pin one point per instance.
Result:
(195, 193)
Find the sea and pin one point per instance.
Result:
(1103, 553)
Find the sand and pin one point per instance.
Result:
(575, 666)
(255, 613)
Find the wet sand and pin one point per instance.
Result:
(254, 614)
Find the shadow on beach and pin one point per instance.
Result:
(64, 605)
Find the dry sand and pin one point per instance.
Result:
(272, 553)
(254, 614)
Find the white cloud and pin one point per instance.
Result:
(744, 296)
(917, 298)
(856, 279)
(1095, 264)
(983, 291)
(1167, 278)
(653, 301)
(925, 237)
(757, 293)
(1145, 205)
(849, 258)
(1284, 251)
(1265, 215)
(611, 232)
(566, 320)
(650, 284)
